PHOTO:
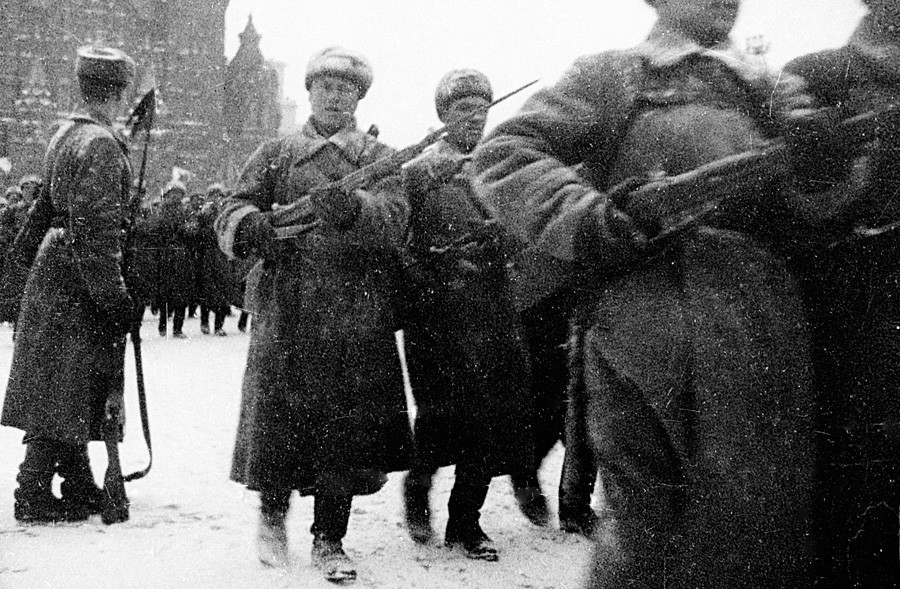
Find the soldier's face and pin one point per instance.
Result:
(333, 100)
(29, 192)
(466, 135)
(706, 21)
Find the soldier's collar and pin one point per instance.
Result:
(350, 140)
(665, 47)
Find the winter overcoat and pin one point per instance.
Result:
(691, 372)
(323, 387)
(171, 238)
(854, 293)
(69, 350)
(218, 282)
(464, 350)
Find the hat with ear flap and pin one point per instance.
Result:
(337, 61)
(458, 84)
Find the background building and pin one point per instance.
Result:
(211, 114)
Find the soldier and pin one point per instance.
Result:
(217, 287)
(175, 271)
(855, 303)
(690, 375)
(464, 353)
(323, 407)
(68, 362)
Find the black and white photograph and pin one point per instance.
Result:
(450, 295)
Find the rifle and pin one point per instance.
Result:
(116, 508)
(677, 203)
(299, 218)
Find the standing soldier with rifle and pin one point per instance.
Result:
(690, 377)
(854, 295)
(66, 383)
(467, 365)
(323, 408)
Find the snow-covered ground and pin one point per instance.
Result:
(192, 527)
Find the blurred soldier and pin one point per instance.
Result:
(690, 376)
(175, 272)
(323, 408)
(29, 186)
(854, 290)
(217, 287)
(466, 362)
(68, 362)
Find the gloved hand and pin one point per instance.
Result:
(609, 239)
(122, 316)
(335, 206)
(255, 235)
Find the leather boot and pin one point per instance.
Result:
(463, 529)
(78, 487)
(34, 499)
(331, 514)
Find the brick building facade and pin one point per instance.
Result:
(179, 47)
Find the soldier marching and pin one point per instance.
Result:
(726, 366)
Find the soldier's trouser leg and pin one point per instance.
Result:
(219, 318)
(204, 318)
(78, 484)
(416, 491)
(271, 538)
(331, 516)
(579, 472)
(464, 510)
(163, 317)
(178, 312)
(466, 500)
(242, 321)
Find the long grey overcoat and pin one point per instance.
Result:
(691, 372)
(323, 388)
(69, 351)
(467, 364)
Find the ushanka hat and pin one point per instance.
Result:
(458, 84)
(337, 61)
(104, 64)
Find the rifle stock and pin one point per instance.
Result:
(116, 508)
(673, 204)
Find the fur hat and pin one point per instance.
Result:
(30, 179)
(458, 84)
(341, 62)
(105, 64)
(174, 185)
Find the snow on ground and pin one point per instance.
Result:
(192, 527)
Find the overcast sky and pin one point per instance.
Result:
(412, 43)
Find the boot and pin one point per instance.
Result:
(329, 557)
(34, 499)
(331, 514)
(271, 540)
(472, 540)
(530, 499)
(463, 530)
(78, 487)
(418, 512)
